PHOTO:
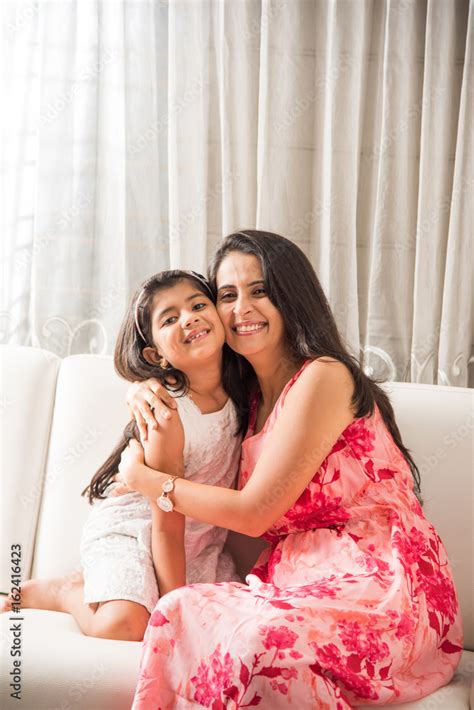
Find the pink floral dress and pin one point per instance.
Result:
(353, 603)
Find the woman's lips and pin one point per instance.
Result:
(249, 328)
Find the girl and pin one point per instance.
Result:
(354, 600)
(171, 330)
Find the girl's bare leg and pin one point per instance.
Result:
(44, 593)
(117, 619)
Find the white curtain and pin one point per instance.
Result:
(136, 134)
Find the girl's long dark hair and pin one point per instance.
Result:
(135, 334)
(310, 328)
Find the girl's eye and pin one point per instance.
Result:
(199, 306)
(170, 320)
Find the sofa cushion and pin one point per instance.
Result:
(89, 416)
(27, 388)
(64, 670)
(437, 425)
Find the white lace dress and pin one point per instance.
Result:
(116, 541)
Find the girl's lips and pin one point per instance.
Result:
(202, 335)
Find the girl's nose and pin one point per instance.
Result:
(190, 320)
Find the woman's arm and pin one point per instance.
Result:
(164, 450)
(317, 409)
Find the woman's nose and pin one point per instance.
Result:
(241, 306)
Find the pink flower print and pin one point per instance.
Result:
(440, 594)
(316, 510)
(158, 619)
(281, 687)
(406, 625)
(359, 438)
(364, 642)
(411, 546)
(277, 637)
(331, 662)
(212, 678)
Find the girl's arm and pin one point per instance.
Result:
(164, 450)
(316, 411)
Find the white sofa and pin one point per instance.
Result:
(59, 421)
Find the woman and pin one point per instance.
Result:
(353, 602)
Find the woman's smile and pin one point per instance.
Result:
(249, 328)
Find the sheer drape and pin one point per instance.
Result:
(137, 134)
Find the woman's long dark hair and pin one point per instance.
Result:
(310, 328)
(136, 334)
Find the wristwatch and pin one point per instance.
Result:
(164, 502)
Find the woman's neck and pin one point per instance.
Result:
(273, 374)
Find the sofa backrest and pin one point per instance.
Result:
(88, 417)
(27, 388)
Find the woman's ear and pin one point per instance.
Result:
(151, 355)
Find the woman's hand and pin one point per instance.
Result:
(149, 402)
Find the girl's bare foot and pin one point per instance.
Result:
(5, 603)
(48, 594)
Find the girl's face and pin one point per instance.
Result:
(252, 324)
(186, 328)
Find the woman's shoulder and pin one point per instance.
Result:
(325, 371)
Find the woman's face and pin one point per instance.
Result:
(252, 324)
(186, 328)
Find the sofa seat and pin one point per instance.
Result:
(72, 671)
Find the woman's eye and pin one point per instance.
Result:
(259, 291)
(226, 296)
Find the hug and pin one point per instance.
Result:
(250, 415)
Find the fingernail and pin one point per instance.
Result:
(166, 415)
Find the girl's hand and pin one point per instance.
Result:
(132, 458)
(149, 402)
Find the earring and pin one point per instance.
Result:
(164, 363)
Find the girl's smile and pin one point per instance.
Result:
(197, 335)
(186, 325)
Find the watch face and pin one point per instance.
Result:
(168, 486)
(165, 504)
